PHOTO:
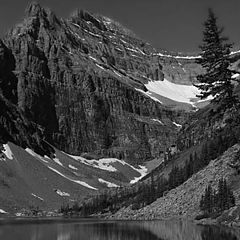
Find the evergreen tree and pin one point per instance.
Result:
(215, 59)
(212, 201)
(207, 200)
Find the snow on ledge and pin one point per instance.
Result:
(72, 167)
(2, 211)
(143, 171)
(72, 180)
(177, 125)
(157, 120)
(61, 193)
(7, 151)
(109, 184)
(56, 160)
(236, 75)
(31, 152)
(34, 195)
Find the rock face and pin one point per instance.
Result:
(14, 126)
(77, 78)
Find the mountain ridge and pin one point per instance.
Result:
(85, 94)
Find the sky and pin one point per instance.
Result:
(174, 25)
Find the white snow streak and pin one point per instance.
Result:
(72, 180)
(2, 211)
(72, 167)
(31, 152)
(178, 57)
(157, 120)
(117, 73)
(94, 59)
(236, 75)
(56, 160)
(7, 151)
(62, 194)
(100, 66)
(109, 184)
(34, 195)
(178, 125)
(107, 165)
(143, 171)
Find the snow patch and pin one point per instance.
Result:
(91, 33)
(178, 57)
(94, 59)
(62, 194)
(234, 52)
(176, 92)
(2, 211)
(47, 157)
(109, 184)
(132, 50)
(117, 73)
(34, 195)
(7, 151)
(100, 66)
(72, 180)
(118, 49)
(157, 120)
(178, 125)
(76, 25)
(236, 75)
(143, 171)
(106, 164)
(31, 152)
(56, 160)
(72, 167)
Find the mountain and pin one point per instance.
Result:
(86, 106)
(74, 82)
(66, 88)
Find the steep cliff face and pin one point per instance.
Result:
(77, 81)
(182, 70)
(14, 125)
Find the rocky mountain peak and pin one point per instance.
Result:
(35, 9)
(83, 15)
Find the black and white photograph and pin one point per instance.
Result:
(120, 120)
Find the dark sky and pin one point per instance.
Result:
(174, 25)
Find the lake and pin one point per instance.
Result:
(112, 230)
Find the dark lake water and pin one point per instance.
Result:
(114, 230)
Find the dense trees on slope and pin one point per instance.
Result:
(216, 81)
(213, 201)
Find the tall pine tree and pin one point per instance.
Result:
(215, 60)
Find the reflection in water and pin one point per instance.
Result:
(118, 230)
(209, 233)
